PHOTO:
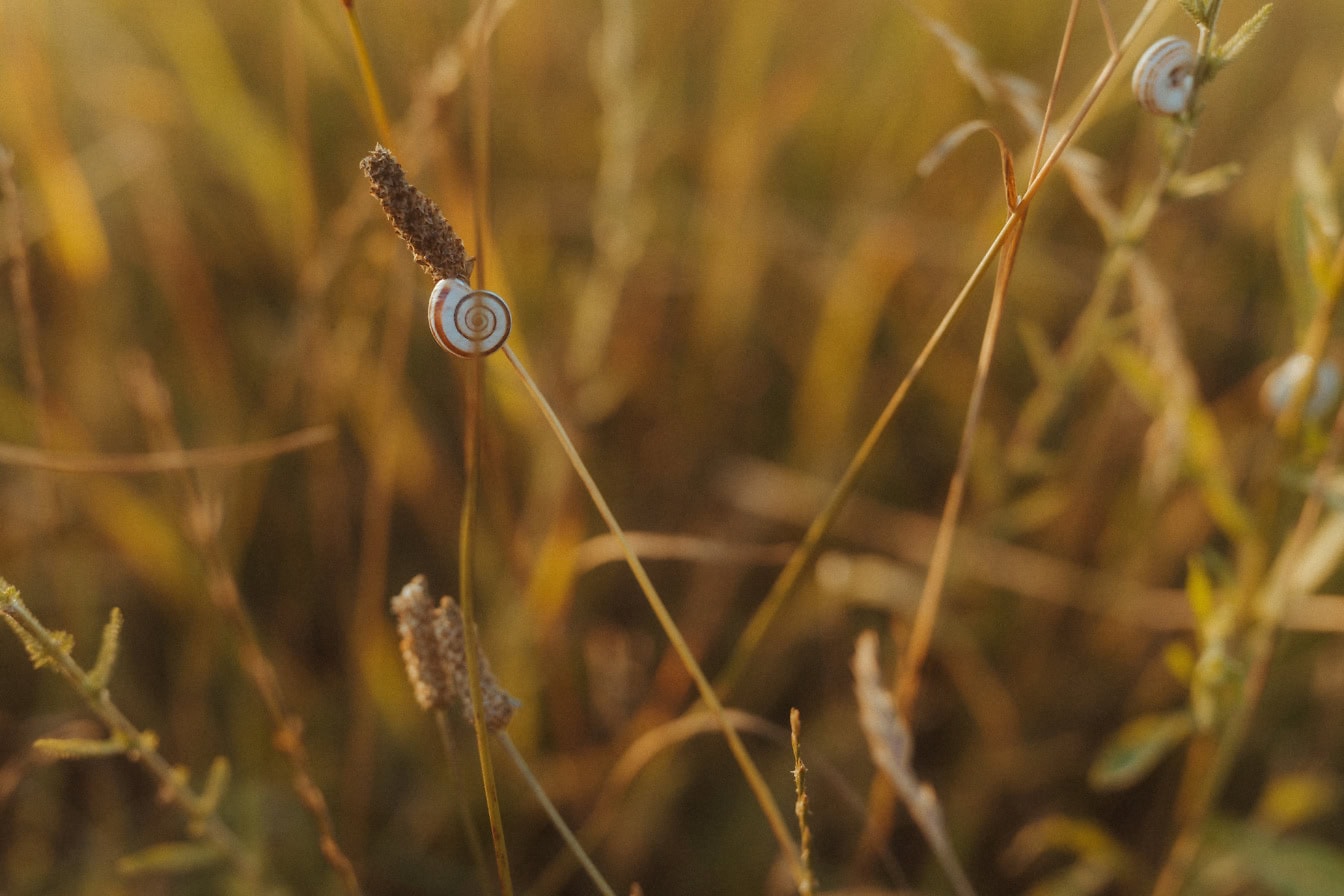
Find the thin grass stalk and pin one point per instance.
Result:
(166, 461)
(807, 549)
(773, 816)
(930, 600)
(575, 847)
(467, 593)
(151, 398)
(480, 113)
(21, 294)
(457, 786)
(377, 108)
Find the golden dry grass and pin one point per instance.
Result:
(721, 261)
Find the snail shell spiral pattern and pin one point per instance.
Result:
(1165, 75)
(466, 322)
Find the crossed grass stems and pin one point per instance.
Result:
(1004, 248)
(1126, 233)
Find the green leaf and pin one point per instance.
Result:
(1179, 660)
(1199, 592)
(1137, 748)
(1078, 879)
(1078, 837)
(216, 782)
(1294, 799)
(101, 672)
(1245, 34)
(1205, 183)
(1287, 866)
(79, 747)
(170, 858)
(1138, 374)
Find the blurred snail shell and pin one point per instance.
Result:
(1165, 75)
(467, 322)
(1283, 381)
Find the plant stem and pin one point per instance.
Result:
(773, 816)
(554, 815)
(806, 552)
(376, 106)
(466, 590)
(139, 744)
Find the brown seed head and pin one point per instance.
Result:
(416, 218)
(433, 648)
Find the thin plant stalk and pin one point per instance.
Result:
(1278, 594)
(140, 745)
(808, 547)
(930, 599)
(554, 815)
(480, 108)
(375, 96)
(150, 395)
(166, 461)
(774, 817)
(455, 784)
(467, 593)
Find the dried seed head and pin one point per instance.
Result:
(433, 648)
(416, 218)
(496, 704)
(415, 614)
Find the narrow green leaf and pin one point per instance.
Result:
(1078, 879)
(79, 747)
(101, 672)
(1245, 34)
(1204, 183)
(170, 858)
(38, 653)
(1137, 373)
(1199, 592)
(1137, 748)
(216, 782)
(1296, 798)
(1179, 660)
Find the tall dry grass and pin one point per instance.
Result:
(721, 262)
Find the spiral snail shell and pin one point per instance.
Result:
(1165, 75)
(469, 323)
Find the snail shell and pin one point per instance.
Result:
(1281, 384)
(469, 323)
(1165, 75)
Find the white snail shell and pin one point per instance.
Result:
(1282, 383)
(1165, 75)
(467, 322)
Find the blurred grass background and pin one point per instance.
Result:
(720, 263)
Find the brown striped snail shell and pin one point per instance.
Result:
(466, 322)
(1165, 76)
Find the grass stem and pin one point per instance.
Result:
(774, 817)
(554, 815)
(377, 108)
(467, 593)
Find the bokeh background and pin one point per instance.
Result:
(721, 262)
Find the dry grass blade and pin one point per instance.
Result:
(168, 461)
(891, 749)
(958, 136)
